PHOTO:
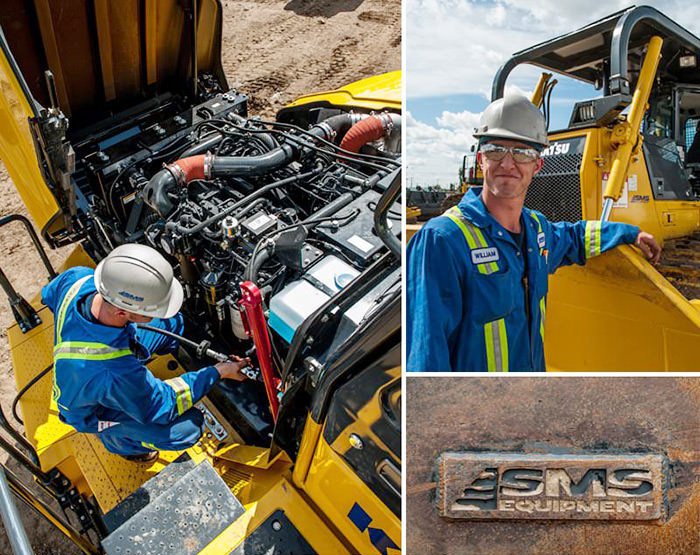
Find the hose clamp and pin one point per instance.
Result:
(208, 160)
(386, 122)
(178, 173)
(328, 131)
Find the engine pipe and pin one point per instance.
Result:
(206, 166)
(256, 327)
(244, 201)
(369, 129)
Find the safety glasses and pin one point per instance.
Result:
(496, 153)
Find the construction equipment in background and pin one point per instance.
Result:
(627, 156)
(117, 126)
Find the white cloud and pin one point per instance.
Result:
(434, 152)
(456, 46)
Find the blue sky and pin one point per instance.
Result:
(455, 47)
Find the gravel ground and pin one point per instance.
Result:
(273, 51)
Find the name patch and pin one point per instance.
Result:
(485, 486)
(482, 256)
(540, 240)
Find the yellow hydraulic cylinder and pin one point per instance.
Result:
(538, 94)
(627, 132)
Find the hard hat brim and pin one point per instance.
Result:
(505, 134)
(175, 299)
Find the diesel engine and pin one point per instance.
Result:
(232, 199)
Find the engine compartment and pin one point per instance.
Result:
(228, 199)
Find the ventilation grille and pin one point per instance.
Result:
(556, 189)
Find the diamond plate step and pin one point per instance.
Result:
(149, 491)
(183, 519)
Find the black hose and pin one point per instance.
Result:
(202, 146)
(164, 183)
(251, 166)
(254, 195)
(26, 388)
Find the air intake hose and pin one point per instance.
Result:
(206, 166)
(369, 129)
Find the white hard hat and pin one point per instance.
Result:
(137, 278)
(513, 117)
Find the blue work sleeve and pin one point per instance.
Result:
(574, 243)
(52, 292)
(434, 299)
(132, 389)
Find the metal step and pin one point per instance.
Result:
(183, 519)
(148, 492)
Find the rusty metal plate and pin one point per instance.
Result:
(551, 486)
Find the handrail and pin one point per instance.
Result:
(12, 521)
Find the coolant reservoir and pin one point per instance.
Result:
(300, 298)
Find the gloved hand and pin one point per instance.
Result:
(233, 370)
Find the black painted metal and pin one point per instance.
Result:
(278, 536)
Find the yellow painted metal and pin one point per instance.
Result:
(249, 455)
(307, 448)
(619, 314)
(335, 488)
(17, 148)
(538, 93)
(626, 134)
(279, 495)
(381, 92)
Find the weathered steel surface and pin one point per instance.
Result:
(552, 486)
(613, 416)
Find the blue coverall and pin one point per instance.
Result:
(470, 307)
(101, 386)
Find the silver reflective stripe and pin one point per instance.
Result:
(497, 353)
(67, 348)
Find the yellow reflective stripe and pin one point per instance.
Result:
(539, 224)
(592, 238)
(473, 235)
(543, 311)
(72, 292)
(491, 266)
(496, 341)
(183, 394)
(149, 446)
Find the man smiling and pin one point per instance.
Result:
(478, 276)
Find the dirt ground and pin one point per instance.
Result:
(272, 51)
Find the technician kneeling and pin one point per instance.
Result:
(100, 382)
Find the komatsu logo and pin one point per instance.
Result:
(555, 149)
(563, 487)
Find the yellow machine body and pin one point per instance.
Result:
(380, 92)
(618, 312)
(316, 493)
(92, 80)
